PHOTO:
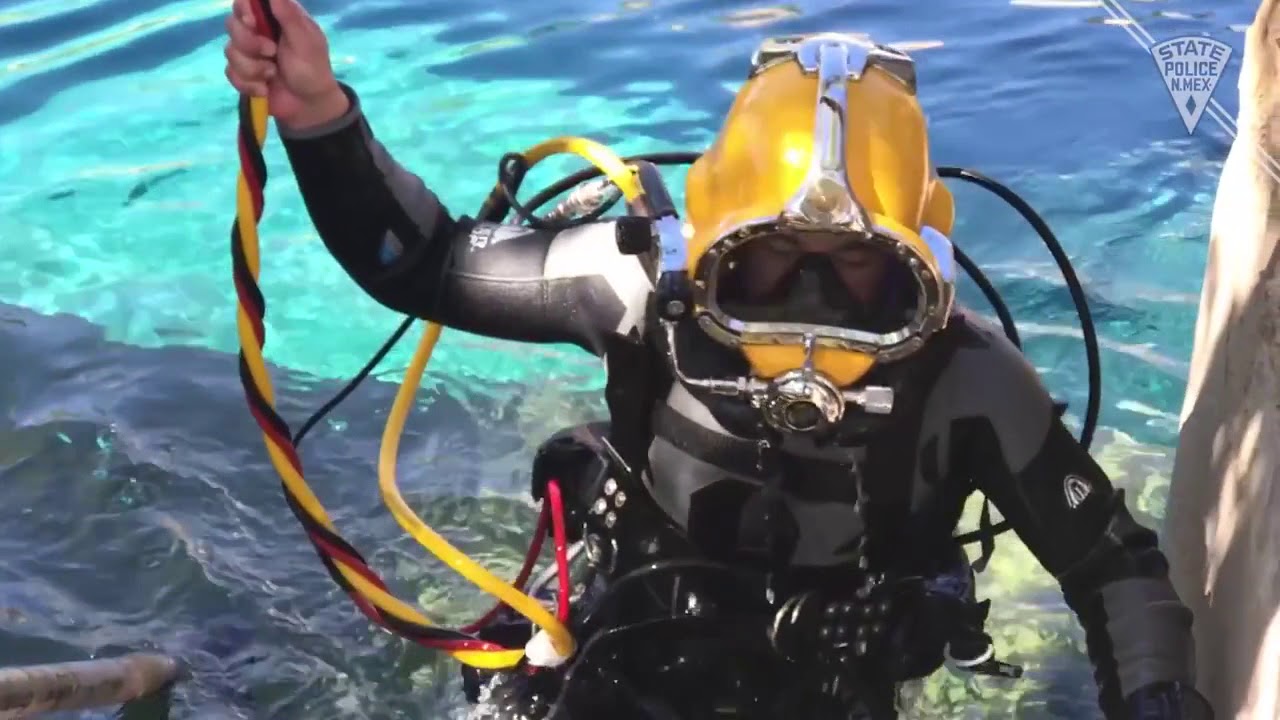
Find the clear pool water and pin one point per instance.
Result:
(121, 417)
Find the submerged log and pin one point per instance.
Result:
(33, 689)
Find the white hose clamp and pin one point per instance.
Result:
(541, 652)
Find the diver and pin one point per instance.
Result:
(813, 411)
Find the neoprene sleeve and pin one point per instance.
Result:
(395, 239)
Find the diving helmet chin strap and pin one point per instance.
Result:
(798, 401)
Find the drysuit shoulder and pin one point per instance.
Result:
(988, 381)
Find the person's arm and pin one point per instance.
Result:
(395, 238)
(1065, 509)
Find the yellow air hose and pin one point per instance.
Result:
(625, 178)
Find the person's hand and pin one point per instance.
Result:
(294, 75)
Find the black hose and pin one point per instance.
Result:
(677, 157)
(1092, 354)
(568, 182)
(561, 707)
(1093, 359)
(350, 387)
(489, 214)
(992, 295)
(1008, 325)
(662, 567)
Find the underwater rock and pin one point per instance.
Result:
(1222, 528)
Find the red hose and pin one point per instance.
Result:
(556, 501)
(530, 560)
(553, 510)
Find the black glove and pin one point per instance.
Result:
(1168, 701)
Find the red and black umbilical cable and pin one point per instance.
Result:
(345, 564)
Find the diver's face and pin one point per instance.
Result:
(768, 262)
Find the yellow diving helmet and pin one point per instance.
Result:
(825, 147)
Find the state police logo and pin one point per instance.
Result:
(1191, 67)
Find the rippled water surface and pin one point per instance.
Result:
(137, 507)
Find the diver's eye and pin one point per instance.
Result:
(782, 245)
(855, 258)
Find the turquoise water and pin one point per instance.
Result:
(125, 449)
